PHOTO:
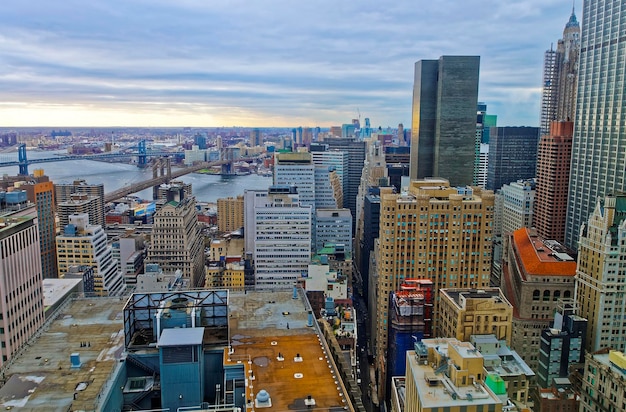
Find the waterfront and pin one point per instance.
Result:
(206, 188)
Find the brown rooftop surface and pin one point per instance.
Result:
(41, 379)
(266, 324)
(290, 381)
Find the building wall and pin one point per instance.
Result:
(432, 232)
(604, 384)
(598, 158)
(21, 294)
(601, 275)
(176, 241)
(512, 155)
(553, 167)
(230, 214)
(534, 288)
(478, 315)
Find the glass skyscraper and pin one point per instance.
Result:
(599, 143)
(445, 94)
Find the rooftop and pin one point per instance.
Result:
(541, 257)
(268, 334)
(41, 376)
(458, 296)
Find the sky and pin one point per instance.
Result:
(283, 63)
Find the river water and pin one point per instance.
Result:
(206, 188)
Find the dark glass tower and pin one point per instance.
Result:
(512, 155)
(445, 94)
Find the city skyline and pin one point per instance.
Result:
(267, 64)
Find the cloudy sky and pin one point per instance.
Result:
(263, 62)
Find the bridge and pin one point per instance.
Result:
(142, 154)
(161, 166)
(156, 181)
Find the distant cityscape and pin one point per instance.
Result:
(456, 265)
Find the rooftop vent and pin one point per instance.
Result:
(263, 399)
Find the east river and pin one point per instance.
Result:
(206, 188)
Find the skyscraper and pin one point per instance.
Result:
(512, 155)
(177, 242)
(553, 165)
(600, 274)
(445, 94)
(598, 155)
(560, 77)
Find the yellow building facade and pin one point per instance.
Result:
(230, 214)
(434, 232)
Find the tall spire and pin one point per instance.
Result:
(572, 19)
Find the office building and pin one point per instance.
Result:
(83, 244)
(365, 242)
(278, 233)
(296, 169)
(517, 205)
(560, 396)
(598, 158)
(338, 160)
(467, 312)
(176, 242)
(562, 345)
(512, 155)
(434, 232)
(445, 95)
(129, 251)
(328, 191)
(63, 192)
(604, 382)
(22, 310)
(601, 273)
(40, 191)
(333, 226)
(79, 203)
(255, 138)
(560, 77)
(230, 214)
(553, 166)
(356, 159)
(536, 274)
(484, 123)
(445, 374)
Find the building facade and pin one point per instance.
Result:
(176, 242)
(230, 214)
(598, 159)
(560, 77)
(83, 244)
(553, 167)
(604, 382)
(467, 312)
(63, 192)
(433, 232)
(601, 274)
(333, 226)
(517, 205)
(21, 291)
(445, 95)
(536, 274)
(281, 243)
(512, 155)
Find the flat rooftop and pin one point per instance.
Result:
(269, 326)
(268, 335)
(41, 377)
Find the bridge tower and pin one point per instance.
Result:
(21, 157)
(161, 167)
(226, 153)
(142, 157)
